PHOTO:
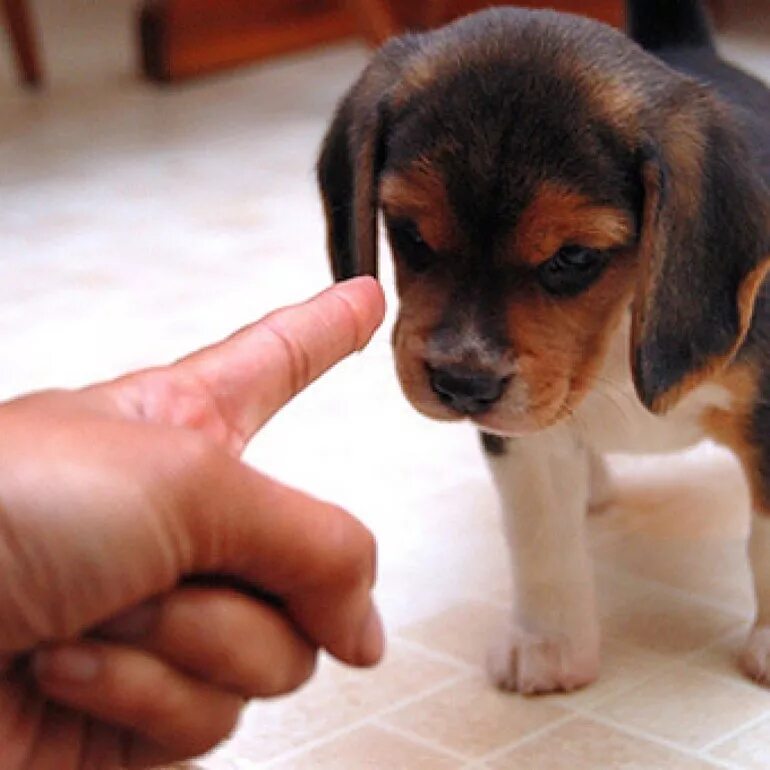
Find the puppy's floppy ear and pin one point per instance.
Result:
(352, 156)
(704, 249)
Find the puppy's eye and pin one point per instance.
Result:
(409, 244)
(571, 270)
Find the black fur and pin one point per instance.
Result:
(695, 314)
(494, 446)
(657, 24)
(508, 102)
(352, 156)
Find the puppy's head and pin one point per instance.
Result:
(539, 175)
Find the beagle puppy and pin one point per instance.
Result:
(580, 224)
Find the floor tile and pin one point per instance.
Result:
(749, 749)
(369, 748)
(465, 630)
(337, 697)
(723, 656)
(668, 624)
(623, 667)
(583, 744)
(687, 706)
(473, 719)
(617, 591)
(716, 569)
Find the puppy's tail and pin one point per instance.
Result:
(656, 24)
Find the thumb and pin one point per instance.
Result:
(315, 557)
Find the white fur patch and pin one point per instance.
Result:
(612, 419)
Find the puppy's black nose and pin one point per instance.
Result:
(465, 390)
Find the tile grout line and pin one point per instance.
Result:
(355, 724)
(679, 593)
(711, 645)
(314, 743)
(447, 683)
(666, 665)
(663, 666)
(437, 655)
(464, 669)
(688, 657)
(739, 681)
(495, 754)
(650, 585)
(730, 734)
(419, 739)
(655, 739)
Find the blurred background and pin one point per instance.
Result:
(157, 189)
(177, 39)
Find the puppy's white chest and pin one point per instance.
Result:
(612, 419)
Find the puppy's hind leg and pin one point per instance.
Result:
(744, 430)
(756, 655)
(552, 643)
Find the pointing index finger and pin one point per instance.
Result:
(253, 373)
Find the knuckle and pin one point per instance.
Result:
(186, 457)
(196, 453)
(201, 539)
(296, 354)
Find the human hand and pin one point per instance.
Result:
(113, 497)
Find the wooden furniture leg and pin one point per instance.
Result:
(377, 19)
(23, 40)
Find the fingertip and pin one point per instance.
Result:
(366, 283)
(367, 300)
(371, 648)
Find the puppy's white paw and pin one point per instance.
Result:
(532, 663)
(755, 660)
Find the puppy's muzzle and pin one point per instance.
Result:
(467, 391)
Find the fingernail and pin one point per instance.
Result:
(69, 666)
(372, 645)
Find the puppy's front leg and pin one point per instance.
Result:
(553, 641)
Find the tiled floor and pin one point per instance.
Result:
(137, 223)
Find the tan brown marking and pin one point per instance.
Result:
(419, 194)
(423, 71)
(365, 212)
(684, 154)
(422, 305)
(562, 344)
(732, 427)
(559, 346)
(558, 216)
(747, 294)
(649, 244)
(619, 102)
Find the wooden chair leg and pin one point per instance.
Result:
(377, 19)
(23, 40)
